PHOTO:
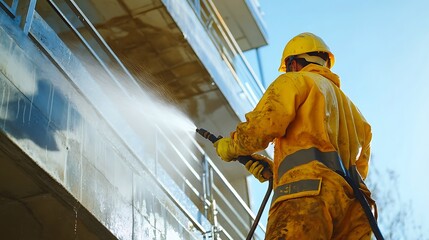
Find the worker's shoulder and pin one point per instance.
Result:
(289, 77)
(298, 79)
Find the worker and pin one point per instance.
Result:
(319, 136)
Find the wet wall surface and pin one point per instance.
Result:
(67, 134)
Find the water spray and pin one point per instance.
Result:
(266, 173)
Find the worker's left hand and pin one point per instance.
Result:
(256, 167)
(223, 149)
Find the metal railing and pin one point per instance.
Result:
(229, 49)
(206, 191)
(208, 187)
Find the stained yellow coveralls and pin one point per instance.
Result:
(301, 112)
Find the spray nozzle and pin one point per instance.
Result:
(208, 135)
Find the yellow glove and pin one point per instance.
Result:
(256, 167)
(223, 149)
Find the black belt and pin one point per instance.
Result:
(330, 159)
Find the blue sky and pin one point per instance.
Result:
(382, 58)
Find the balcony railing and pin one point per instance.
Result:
(229, 49)
(197, 187)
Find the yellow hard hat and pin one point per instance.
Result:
(305, 43)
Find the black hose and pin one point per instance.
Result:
(366, 207)
(243, 160)
(261, 210)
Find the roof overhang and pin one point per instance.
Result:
(244, 19)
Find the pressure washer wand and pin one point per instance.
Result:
(266, 173)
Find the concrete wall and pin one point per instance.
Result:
(66, 124)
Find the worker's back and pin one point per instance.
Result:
(325, 119)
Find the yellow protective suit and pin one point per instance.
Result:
(300, 111)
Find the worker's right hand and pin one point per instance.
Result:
(223, 149)
(256, 166)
